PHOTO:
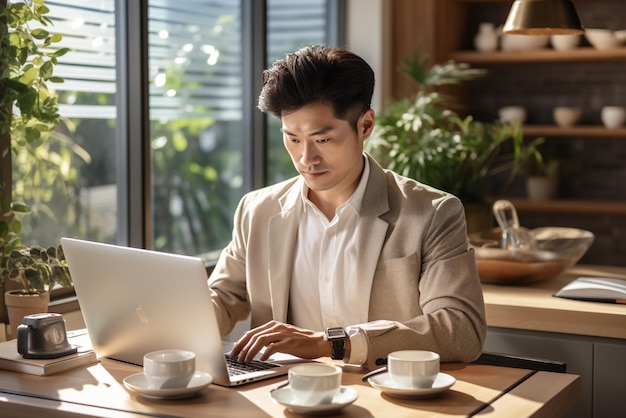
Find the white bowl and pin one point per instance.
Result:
(512, 114)
(566, 116)
(613, 117)
(620, 35)
(564, 42)
(603, 38)
(511, 42)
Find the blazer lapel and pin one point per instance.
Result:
(282, 233)
(372, 232)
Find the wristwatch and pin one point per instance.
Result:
(337, 337)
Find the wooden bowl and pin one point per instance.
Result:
(556, 250)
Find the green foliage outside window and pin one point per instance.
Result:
(42, 160)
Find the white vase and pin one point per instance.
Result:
(486, 39)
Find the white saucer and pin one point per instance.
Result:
(139, 383)
(284, 396)
(385, 383)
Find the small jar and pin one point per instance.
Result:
(486, 39)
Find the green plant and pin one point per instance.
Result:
(35, 268)
(27, 66)
(542, 162)
(28, 114)
(425, 138)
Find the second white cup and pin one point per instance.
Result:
(169, 369)
(613, 116)
(413, 368)
(314, 384)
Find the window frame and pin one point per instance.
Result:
(134, 209)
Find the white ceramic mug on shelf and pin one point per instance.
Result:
(413, 368)
(613, 116)
(565, 116)
(510, 114)
(313, 383)
(169, 369)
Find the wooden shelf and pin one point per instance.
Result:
(594, 131)
(582, 54)
(586, 207)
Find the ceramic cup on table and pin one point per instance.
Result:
(169, 369)
(613, 116)
(413, 368)
(313, 383)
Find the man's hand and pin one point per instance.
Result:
(278, 337)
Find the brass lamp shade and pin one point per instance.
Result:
(543, 17)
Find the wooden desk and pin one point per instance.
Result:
(98, 391)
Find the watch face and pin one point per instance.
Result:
(335, 333)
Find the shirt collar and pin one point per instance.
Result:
(356, 200)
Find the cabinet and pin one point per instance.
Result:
(593, 159)
(598, 361)
(589, 337)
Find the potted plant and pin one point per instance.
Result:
(28, 113)
(542, 175)
(36, 269)
(425, 138)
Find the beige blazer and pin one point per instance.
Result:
(414, 267)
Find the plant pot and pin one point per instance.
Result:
(6, 286)
(21, 304)
(541, 188)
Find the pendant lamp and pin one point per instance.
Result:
(543, 17)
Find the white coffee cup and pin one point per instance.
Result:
(413, 368)
(169, 369)
(313, 383)
(613, 116)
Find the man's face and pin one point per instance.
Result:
(326, 151)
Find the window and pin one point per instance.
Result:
(85, 204)
(161, 120)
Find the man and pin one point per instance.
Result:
(346, 260)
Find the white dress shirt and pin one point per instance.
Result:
(322, 291)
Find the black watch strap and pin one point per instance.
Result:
(337, 338)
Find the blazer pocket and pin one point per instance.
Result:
(399, 267)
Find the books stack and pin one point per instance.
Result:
(11, 360)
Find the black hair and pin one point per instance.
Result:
(318, 74)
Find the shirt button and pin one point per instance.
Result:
(327, 279)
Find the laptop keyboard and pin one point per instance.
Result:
(238, 368)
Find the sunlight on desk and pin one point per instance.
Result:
(98, 391)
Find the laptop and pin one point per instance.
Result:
(134, 301)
